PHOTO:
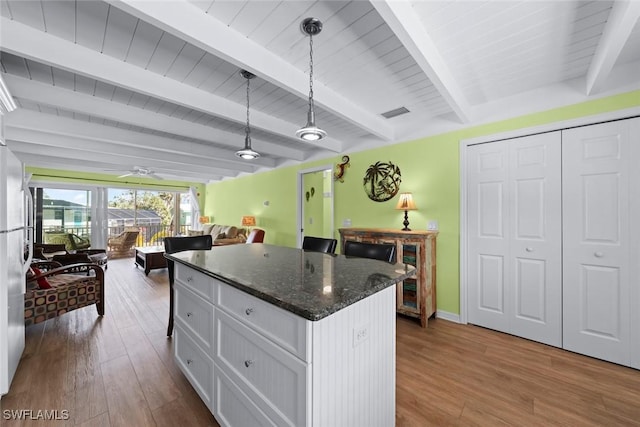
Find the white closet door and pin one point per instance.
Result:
(536, 242)
(634, 241)
(598, 172)
(488, 235)
(514, 242)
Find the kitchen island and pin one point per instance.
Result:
(269, 335)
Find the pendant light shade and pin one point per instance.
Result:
(311, 132)
(247, 153)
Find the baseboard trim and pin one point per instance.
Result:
(445, 315)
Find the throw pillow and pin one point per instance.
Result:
(232, 232)
(42, 281)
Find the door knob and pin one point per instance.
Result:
(598, 254)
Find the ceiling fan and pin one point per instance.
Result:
(141, 172)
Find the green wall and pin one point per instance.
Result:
(430, 170)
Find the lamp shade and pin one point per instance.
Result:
(406, 203)
(248, 221)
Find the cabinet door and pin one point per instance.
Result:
(600, 167)
(409, 292)
(514, 237)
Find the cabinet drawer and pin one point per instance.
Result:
(232, 407)
(274, 379)
(285, 328)
(200, 283)
(196, 315)
(196, 366)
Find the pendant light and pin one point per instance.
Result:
(247, 153)
(311, 132)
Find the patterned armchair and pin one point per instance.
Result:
(68, 291)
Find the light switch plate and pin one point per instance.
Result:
(346, 222)
(432, 225)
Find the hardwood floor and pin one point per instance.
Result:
(119, 371)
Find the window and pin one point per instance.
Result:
(63, 212)
(152, 212)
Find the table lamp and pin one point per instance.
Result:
(248, 221)
(406, 203)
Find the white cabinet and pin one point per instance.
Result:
(553, 250)
(285, 328)
(195, 363)
(256, 364)
(274, 379)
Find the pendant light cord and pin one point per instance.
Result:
(247, 129)
(311, 105)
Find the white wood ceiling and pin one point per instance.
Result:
(106, 86)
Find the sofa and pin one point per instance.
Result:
(222, 234)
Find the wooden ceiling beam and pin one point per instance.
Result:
(623, 17)
(406, 25)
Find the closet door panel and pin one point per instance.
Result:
(535, 263)
(488, 235)
(597, 286)
(634, 242)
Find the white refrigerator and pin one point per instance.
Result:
(14, 233)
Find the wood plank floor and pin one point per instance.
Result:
(119, 371)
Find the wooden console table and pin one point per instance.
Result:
(416, 297)
(150, 258)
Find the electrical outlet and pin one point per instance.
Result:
(310, 220)
(346, 222)
(432, 225)
(360, 335)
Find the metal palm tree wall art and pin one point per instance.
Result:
(382, 181)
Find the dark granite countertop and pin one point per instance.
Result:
(312, 285)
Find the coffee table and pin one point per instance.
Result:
(150, 258)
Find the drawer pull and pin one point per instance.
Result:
(529, 249)
(599, 254)
(189, 314)
(189, 361)
(249, 311)
(248, 363)
(189, 279)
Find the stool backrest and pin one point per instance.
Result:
(190, 243)
(319, 244)
(382, 251)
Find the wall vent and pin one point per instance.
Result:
(393, 113)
